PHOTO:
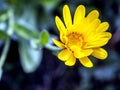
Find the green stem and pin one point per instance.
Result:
(7, 42)
(51, 47)
(4, 53)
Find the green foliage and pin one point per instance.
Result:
(3, 15)
(24, 32)
(3, 35)
(12, 1)
(44, 37)
(49, 4)
(30, 58)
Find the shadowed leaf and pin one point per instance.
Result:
(3, 35)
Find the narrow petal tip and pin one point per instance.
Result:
(86, 62)
(100, 53)
(58, 43)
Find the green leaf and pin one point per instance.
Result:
(44, 37)
(3, 35)
(3, 15)
(24, 32)
(49, 4)
(30, 58)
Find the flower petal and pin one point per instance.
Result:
(67, 16)
(98, 40)
(86, 62)
(61, 28)
(90, 30)
(58, 43)
(102, 27)
(87, 52)
(93, 15)
(81, 27)
(79, 14)
(100, 53)
(94, 24)
(71, 61)
(64, 55)
(79, 54)
(60, 25)
(82, 53)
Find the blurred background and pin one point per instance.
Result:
(28, 59)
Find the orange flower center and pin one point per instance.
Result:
(75, 40)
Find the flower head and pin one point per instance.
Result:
(81, 37)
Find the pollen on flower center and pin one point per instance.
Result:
(74, 40)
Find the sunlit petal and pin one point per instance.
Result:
(64, 55)
(60, 25)
(102, 27)
(71, 61)
(67, 16)
(93, 15)
(90, 29)
(58, 43)
(86, 62)
(79, 14)
(100, 53)
(98, 40)
(82, 53)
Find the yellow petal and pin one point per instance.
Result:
(93, 15)
(61, 28)
(102, 27)
(87, 52)
(64, 55)
(81, 27)
(98, 40)
(79, 14)
(86, 62)
(58, 43)
(79, 54)
(71, 61)
(97, 44)
(94, 25)
(91, 28)
(100, 53)
(82, 53)
(67, 16)
(60, 25)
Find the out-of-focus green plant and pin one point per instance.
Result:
(49, 4)
(30, 57)
(18, 22)
(44, 34)
(3, 35)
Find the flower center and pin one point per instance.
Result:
(75, 40)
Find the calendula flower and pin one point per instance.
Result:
(81, 36)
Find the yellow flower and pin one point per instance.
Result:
(82, 37)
